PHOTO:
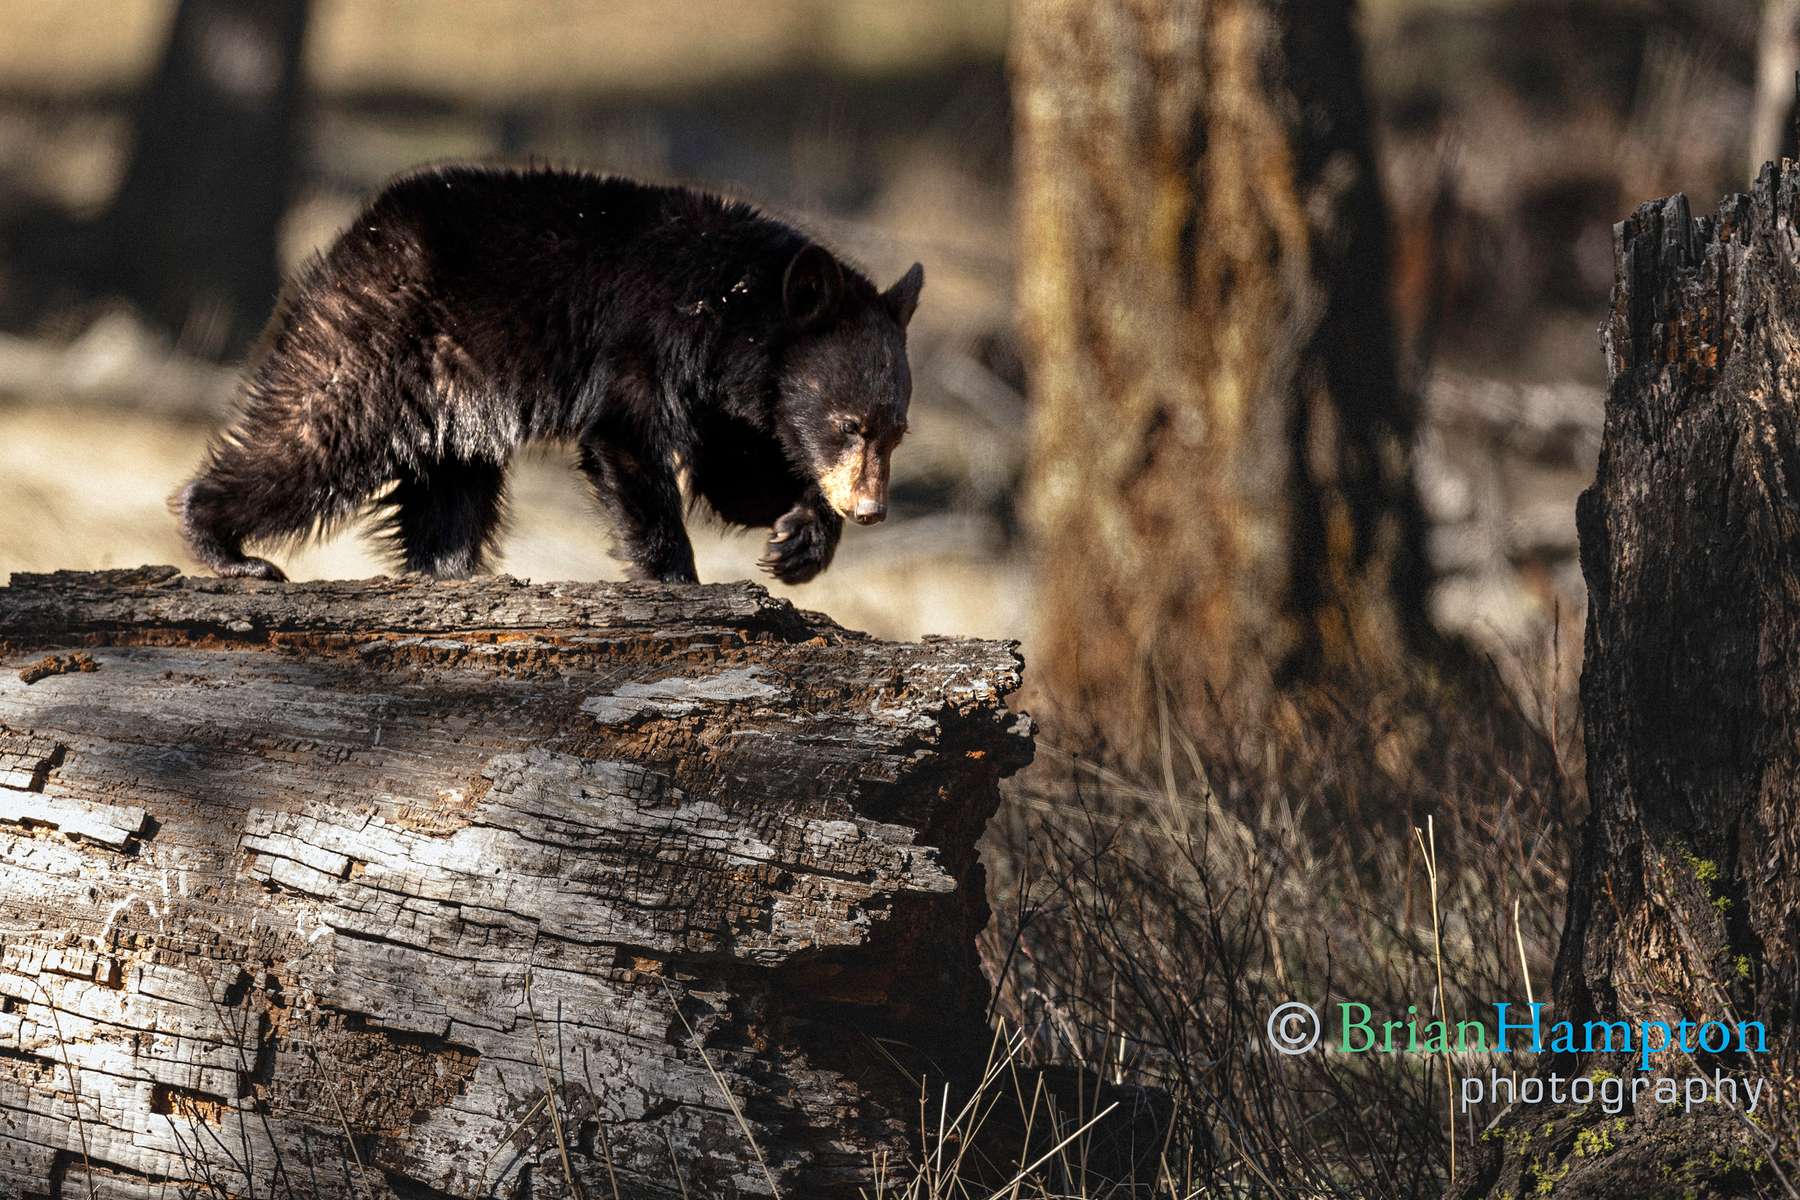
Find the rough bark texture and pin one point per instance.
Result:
(1686, 897)
(1222, 445)
(319, 890)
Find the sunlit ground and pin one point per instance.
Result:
(86, 489)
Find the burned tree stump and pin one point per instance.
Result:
(1685, 902)
(468, 889)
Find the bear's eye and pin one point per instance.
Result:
(849, 426)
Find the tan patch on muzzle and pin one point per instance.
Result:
(856, 485)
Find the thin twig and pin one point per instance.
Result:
(562, 1146)
(729, 1098)
(74, 1083)
(1443, 999)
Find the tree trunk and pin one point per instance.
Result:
(1686, 897)
(1222, 445)
(432, 889)
(1777, 58)
(193, 234)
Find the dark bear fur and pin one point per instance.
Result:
(661, 329)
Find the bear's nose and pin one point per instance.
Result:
(869, 512)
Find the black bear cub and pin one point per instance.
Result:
(662, 330)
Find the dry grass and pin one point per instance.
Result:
(1157, 912)
(1392, 841)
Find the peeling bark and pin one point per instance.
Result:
(1685, 904)
(323, 889)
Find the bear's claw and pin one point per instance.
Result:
(800, 545)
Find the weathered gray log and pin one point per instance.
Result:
(1685, 903)
(404, 888)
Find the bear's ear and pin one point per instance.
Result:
(811, 286)
(903, 298)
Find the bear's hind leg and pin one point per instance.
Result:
(211, 539)
(446, 515)
(247, 491)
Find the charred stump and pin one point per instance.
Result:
(468, 889)
(1685, 903)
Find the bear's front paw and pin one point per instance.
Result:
(801, 544)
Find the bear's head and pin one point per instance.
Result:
(845, 386)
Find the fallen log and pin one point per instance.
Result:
(483, 888)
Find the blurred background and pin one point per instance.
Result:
(161, 162)
(143, 218)
(1257, 372)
